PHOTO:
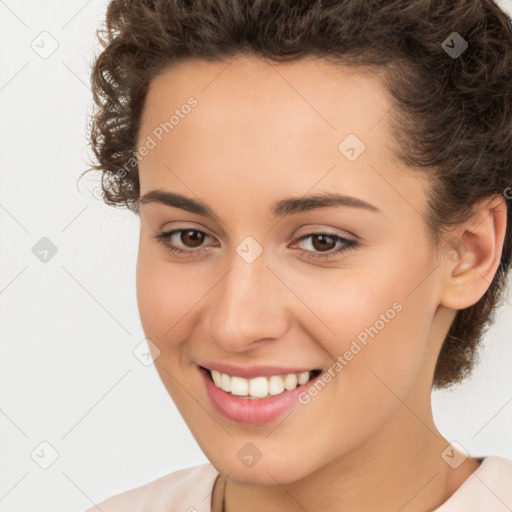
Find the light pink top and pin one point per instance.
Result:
(488, 489)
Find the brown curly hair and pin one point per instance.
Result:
(453, 113)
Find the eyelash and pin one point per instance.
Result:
(347, 244)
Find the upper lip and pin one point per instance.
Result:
(249, 372)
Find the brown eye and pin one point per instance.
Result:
(322, 242)
(323, 245)
(192, 237)
(183, 241)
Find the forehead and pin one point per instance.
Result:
(296, 96)
(262, 126)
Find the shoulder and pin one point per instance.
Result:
(187, 490)
(488, 489)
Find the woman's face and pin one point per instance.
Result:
(264, 286)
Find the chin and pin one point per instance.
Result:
(270, 470)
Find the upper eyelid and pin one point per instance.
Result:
(311, 230)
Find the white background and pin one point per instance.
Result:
(68, 326)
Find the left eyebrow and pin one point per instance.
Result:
(282, 208)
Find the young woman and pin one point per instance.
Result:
(324, 195)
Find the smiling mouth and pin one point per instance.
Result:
(259, 387)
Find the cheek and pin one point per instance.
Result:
(377, 331)
(372, 320)
(164, 294)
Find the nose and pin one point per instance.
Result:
(250, 306)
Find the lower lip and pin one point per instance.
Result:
(245, 410)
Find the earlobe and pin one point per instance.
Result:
(476, 256)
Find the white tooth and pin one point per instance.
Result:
(303, 378)
(216, 377)
(275, 385)
(225, 382)
(290, 381)
(239, 386)
(258, 387)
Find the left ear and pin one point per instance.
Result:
(472, 262)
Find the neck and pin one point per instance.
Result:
(398, 468)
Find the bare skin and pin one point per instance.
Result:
(262, 132)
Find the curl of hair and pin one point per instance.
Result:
(452, 117)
